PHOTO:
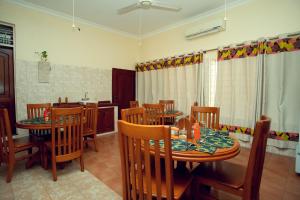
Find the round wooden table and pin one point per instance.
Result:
(197, 156)
(38, 126)
(172, 114)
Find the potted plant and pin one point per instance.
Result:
(44, 56)
(44, 67)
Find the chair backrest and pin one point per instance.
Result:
(66, 132)
(154, 113)
(91, 115)
(185, 123)
(135, 144)
(210, 115)
(37, 110)
(134, 115)
(256, 159)
(168, 105)
(134, 104)
(6, 139)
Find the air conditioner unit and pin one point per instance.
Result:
(205, 29)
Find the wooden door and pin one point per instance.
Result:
(123, 88)
(7, 93)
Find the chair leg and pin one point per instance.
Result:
(45, 158)
(29, 151)
(191, 165)
(85, 141)
(95, 143)
(81, 164)
(54, 167)
(10, 170)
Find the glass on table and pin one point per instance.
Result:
(182, 135)
(203, 128)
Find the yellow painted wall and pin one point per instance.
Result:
(255, 19)
(37, 31)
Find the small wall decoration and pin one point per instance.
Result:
(44, 67)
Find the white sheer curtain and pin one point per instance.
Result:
(207, 79)
(282, 88)
(236, 91)
(176, 83)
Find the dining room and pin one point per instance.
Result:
(148, 99)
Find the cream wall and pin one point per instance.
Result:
(80, 61)
(37, 31)
(254, 19)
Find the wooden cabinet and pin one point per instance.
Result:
(105, 119)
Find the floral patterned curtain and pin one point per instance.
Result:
(274, 64)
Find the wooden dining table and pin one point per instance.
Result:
(198, 156)
(34, 125)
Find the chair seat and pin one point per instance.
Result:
(220, 174)
(88, 131)
(23, 143)
(182, 180)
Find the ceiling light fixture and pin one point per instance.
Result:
(74, 27)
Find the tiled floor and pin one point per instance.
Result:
(279, 181)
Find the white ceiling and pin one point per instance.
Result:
(104, 13)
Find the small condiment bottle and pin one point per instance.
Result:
(196, 131)
(46, 115)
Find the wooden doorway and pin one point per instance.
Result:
(123, 88)
(7, 92)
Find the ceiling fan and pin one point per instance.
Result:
(147, 4)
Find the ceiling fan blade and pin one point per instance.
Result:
(128, 9)
(163, 6)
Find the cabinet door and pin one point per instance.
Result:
(105, 120)
(7, 94)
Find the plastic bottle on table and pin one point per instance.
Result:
(196, 131)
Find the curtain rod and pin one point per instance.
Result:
(286, 35)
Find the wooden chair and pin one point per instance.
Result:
(67, 132)
(141, 178)
(210, 115)
(37, 110)
(228, 176)
(186, 124)
(134, 104)
(39, 136)
(90, 126)
(9, 147)
(134, 115)
(154, 113)
(168, 107)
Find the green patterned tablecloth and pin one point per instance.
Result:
(209, 142)
(38, 120)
